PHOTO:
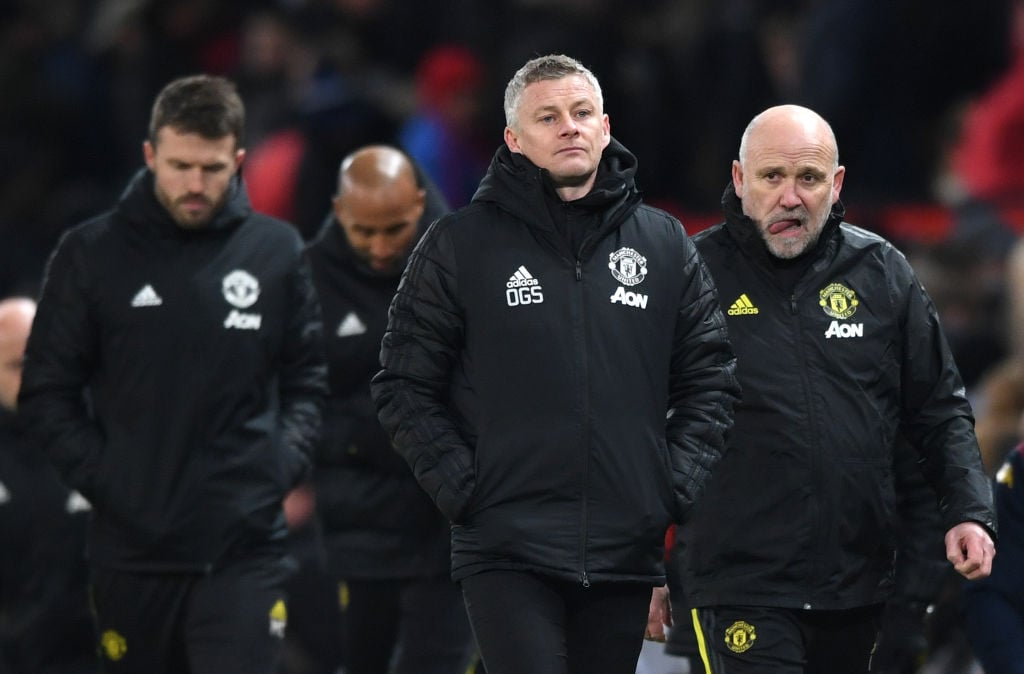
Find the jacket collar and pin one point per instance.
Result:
(139, 206)
(331, 240)
(743, 230)
(517, 185)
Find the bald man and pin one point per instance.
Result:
(386, 542)
(789, 556)
(44, 619)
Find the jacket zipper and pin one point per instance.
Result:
(584, 577)
(812, 422)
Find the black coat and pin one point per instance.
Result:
(800, 512)
(44, 605)
(561, 406)
(377, 522)
(199, 352)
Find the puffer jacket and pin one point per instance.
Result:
(562, 407)
(175, 378)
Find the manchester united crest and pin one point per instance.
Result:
(740, 636)
(627, 266)
(240, 288)
(838, 301)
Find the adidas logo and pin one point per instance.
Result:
(522, 277)
(743, 306)
(523, 288)
(147, 297)
(351, 326)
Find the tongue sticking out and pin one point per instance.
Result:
(782, 226)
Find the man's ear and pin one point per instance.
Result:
(512, 141)
(837, 183)
(737, 177)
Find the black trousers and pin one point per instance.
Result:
(763, 640)
(524, 622)
(411, 626)
(230, 621)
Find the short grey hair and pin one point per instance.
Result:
(550, 67)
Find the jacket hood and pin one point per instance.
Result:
(519, 186)
(744, 231)
(139, 206)
(332, 240)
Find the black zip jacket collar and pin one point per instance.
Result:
(743, 230)
(139, 207)
(520, 187)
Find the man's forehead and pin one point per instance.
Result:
(573, 87)
(790, 155)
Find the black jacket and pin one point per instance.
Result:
(994, 606)
(800, 511)
(199, 352)
(377, 522)
(44, 605)
(562, 407)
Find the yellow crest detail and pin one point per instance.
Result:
(1005, 475)
(838, 301)
(740, 636)
(113, 644)
(278, 619)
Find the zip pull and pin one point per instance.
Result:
(579, 270)
(585, 580)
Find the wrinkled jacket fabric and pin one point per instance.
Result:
(562, 407)
(800, 511)
(198, 353)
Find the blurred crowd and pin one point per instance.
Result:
(895, 79)
(926, 98)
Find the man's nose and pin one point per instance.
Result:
(569, 126)
(790, 198)
(380, 248)
(194, 179)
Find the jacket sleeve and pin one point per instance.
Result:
(703, 388)
(418, 353)
(937, 417)
(921, 565)
(303, 371)
(60, 357)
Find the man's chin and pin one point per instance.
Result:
(384, 268)
(789, 247)
(192, 223)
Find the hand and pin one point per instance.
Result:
(970, 549)
(659, 616)
(299, 506)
